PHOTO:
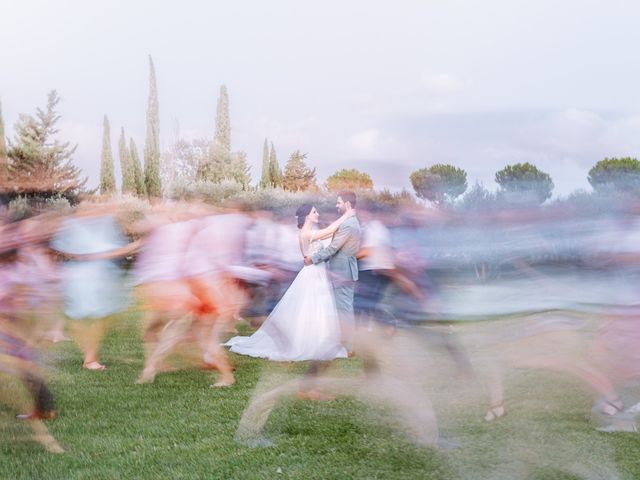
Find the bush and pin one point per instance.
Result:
(210, 192)
(19, 209)
(130, 210)
(58, 204)
(280, 202)
(385, 200)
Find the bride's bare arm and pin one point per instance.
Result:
(304, 240)
(327, 232)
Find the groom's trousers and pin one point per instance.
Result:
(343, 293)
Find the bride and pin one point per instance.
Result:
(304, 324)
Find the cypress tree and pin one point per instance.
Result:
(152, 143)
(265, 180)
(222, 136)
(137, 168)
(107, 178)
(274, 169)
(128, 176)
(219, 163)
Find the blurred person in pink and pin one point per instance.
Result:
(18, 334)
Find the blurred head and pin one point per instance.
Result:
(346, 201)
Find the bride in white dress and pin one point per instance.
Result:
(304, 324)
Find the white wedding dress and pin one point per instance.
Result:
(304, 325)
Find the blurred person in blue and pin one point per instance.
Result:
(93, 284)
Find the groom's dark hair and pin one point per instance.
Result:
(348, 196)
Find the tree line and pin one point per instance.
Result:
(521, 183)
(34, 162)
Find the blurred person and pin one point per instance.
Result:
(40, 275)
(160, 278)
(206, 291)
(395, 384)
(93, 285)
(162, 281)
(376, 265)
(271, 246)
(35, 297)
(18, 335)
(304, 325)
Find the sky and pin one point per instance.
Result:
(383, 86)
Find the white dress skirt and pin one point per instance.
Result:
(304, 325)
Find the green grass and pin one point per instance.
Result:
(180, 428)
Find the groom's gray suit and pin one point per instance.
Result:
(340, 256)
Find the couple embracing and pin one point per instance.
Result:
(314, 319)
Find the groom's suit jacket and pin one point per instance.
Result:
(340, 254)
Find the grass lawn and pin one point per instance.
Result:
(178, 427)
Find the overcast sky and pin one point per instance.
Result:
(386, 87)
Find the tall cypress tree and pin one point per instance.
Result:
(222, 136)
(152, 142)
(107, 177)
(274, 168)
(4, 160)
(265, 180)
(219, 164)
(128, 176)
(137, 168)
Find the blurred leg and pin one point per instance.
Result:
(173, 333)
(88, 335)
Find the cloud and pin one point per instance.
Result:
(364, 143)
(582, 134)
(295, 132)
(441, 83)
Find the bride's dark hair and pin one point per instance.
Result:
(302, 212)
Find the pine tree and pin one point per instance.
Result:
(265, 179)
(107, 177)
(128, 175)
(137, 168)
(275, 173)
(4, 160)
(349, 179)
(297, 176)
(39, 163)
(152, 143)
